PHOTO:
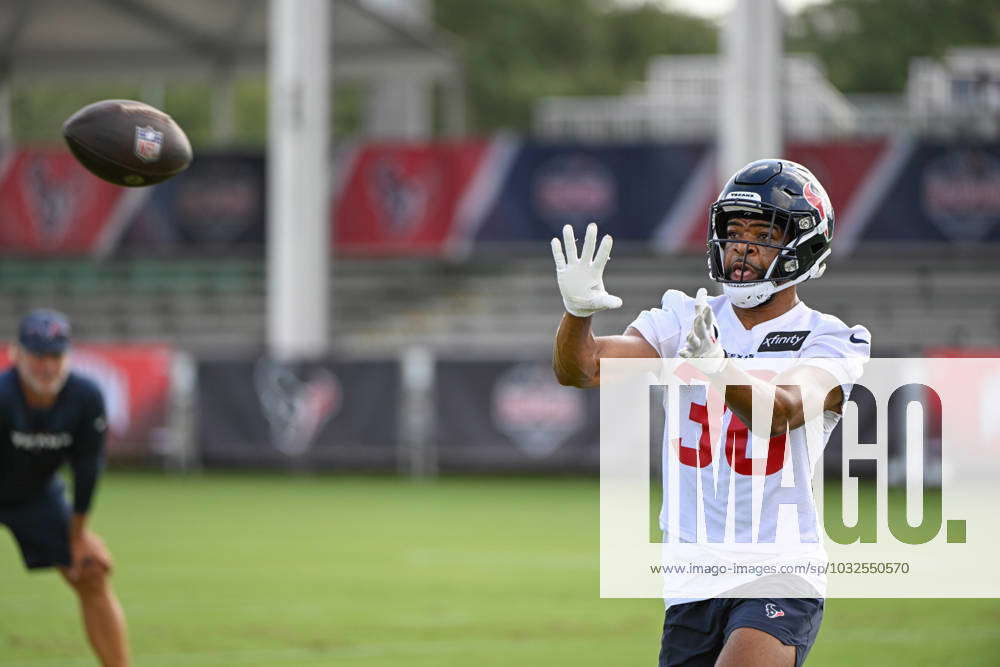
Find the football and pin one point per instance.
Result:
(127, 143)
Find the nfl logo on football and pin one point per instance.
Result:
(148, 143)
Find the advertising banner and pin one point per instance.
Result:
(852, 173)
(404, 198)
(50, 204)
(841, 166)
(438, 198)
(512, 416)
(627, 188)
(135, 380)
(944, 192)
(218, 202)
(302, 415)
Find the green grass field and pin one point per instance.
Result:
(362, 572)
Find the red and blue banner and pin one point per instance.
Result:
(51, 205)
(944, 192)
(627, 188)
(444, 198)
(844, 168)
(405, 198)
(217, 203)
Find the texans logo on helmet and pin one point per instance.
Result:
(815, 199)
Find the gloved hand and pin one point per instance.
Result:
(703, 340)
(581, 279)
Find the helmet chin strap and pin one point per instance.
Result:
(753, 294)
(750, 296)
(757, 294)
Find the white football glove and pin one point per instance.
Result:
(702, 342)
(581, 279)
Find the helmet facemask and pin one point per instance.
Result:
(793, 263)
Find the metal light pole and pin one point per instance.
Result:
(298, 246)
(750, 94)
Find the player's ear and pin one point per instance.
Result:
(13, 352)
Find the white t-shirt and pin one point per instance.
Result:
(786, 528)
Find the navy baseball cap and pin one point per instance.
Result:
(44, 331)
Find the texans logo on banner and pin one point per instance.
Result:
(574, 189)
(296, 408)
(52, 199)
(50, 203)
(401, 193)
(534, 411)
(961, 193)
(404, 198)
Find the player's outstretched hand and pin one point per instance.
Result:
(581, 279)
(703, 340)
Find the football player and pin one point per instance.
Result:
(50, 416)
(770, 229)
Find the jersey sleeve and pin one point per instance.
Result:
(661, 327)
(87, 458)
(842, 351)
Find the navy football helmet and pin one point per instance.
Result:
(792, 201)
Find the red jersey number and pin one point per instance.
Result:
(736, 446)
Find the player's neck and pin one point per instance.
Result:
(778, 305)
(35, 400)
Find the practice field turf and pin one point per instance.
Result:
(365, 572)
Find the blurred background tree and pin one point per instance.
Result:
(516, 50)
(866, 45)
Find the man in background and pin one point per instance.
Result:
(50, 416)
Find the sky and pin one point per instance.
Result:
(716, 8)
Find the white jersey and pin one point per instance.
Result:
(787, 526)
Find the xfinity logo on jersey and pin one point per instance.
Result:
(783, 341)
(37, 441)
